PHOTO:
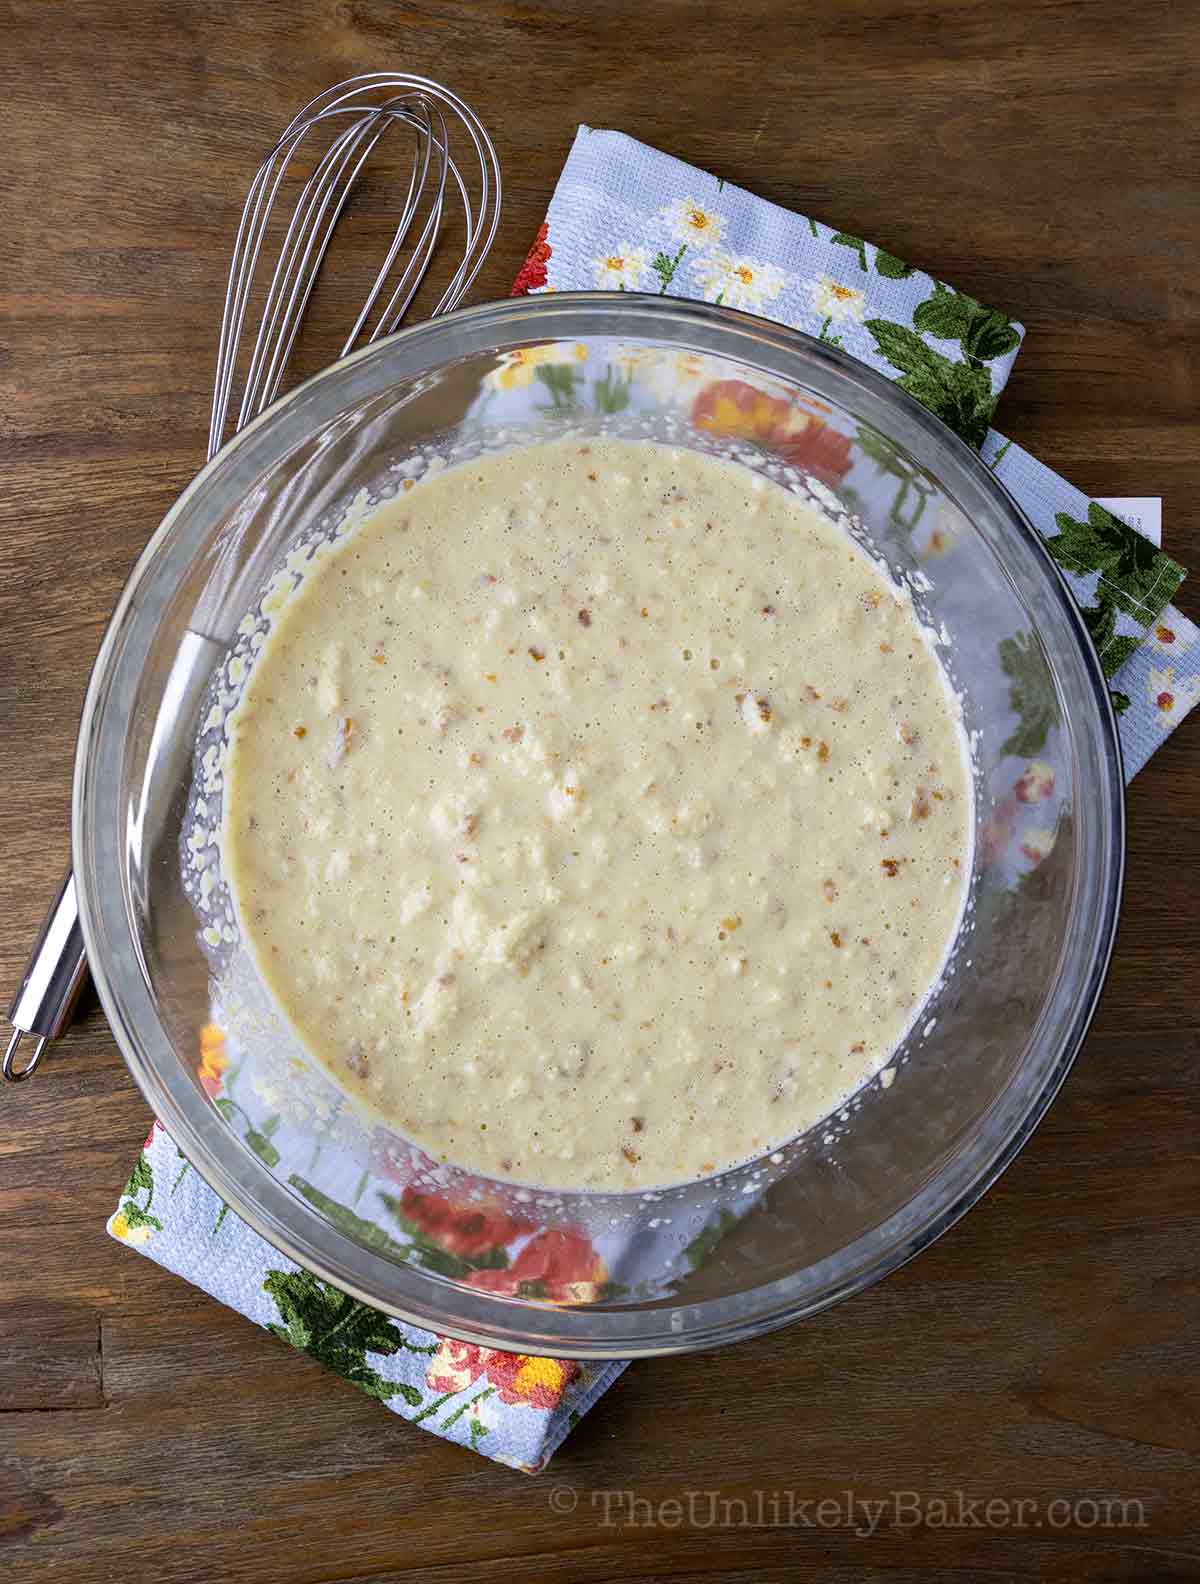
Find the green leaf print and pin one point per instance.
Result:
(983, 333)
(560, 381)
(611, 394)
(138, 1218)
(856, 244)
(1031, 694)
(706, 1240)
(887, 264)
(664, 266)
(1138, 578)
(354, 1226)
(1118, 650)
(336, 1330)
(824, 335)
(960, 394)
(261, 1144)
(1120, 701)
(141, 1177)
(141, 1180)
(914, 485)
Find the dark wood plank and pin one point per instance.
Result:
(1040, 155)
(49, 1356)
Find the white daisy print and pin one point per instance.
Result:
(673, 378)
(1171, 634)
(518, 367)
(1171, 697)
(837, 303)
(692, 222)
(622, 269)
(738, 281)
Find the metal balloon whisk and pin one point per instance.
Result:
(360, 111)
(453, 180)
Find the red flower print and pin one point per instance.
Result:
(466, 1227)
(560, 1266)
(998, 831)
(1165, 700)
(1036, 782)
(799, 436)
(532, 273)
(454, 1366)
(517, 1377)
(1036, 845)
(525, 1378)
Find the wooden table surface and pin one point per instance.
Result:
(1040, 154)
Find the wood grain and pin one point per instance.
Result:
(1041, 155)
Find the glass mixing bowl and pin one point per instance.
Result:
(591, 1275)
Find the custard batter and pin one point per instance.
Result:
(599, 814)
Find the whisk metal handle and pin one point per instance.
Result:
(49, 989)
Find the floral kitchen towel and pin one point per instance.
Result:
(512, 1407)
(628, 218)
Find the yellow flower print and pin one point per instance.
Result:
(213, 1060)
(835, 302)
(623, 268)
(120, 1228)
(738, 281)
(519, 366)
(693, 222)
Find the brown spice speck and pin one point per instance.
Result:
(890, 866)
(841, 705)
(835, 937)
(828, 890)
(513, 734)
(637, 1123)
(630, 1155)
(585, 618)
(408, 484)
(536, 654)
(822, 751)
(299, 731)
(919, 808)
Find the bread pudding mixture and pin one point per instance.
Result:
(598, 813)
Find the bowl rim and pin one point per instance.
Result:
(478, 1317)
